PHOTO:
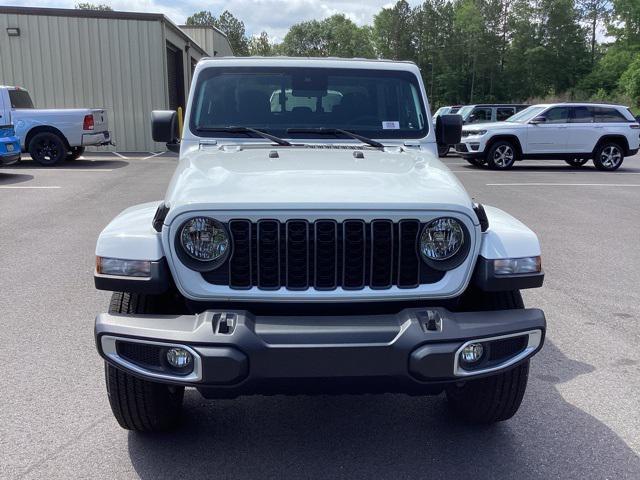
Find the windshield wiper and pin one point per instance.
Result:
(239, 129)
(336, 131)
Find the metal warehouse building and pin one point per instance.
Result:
(128, 63)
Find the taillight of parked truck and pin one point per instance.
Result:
(87, 124)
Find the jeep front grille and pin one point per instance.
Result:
(324, 255)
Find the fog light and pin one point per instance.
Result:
(178, 357)
(472, 353)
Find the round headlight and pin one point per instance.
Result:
(441, 239)
(204, 239)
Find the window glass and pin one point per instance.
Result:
(502, 113)
(607, 115)
(525, 115)
(581, 115)
(480, 114)
(384, 103)
(20, 99)
(557, 115)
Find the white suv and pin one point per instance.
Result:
(574, 132)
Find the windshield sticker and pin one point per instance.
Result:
(388, 125)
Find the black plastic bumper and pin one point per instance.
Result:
(238, 353)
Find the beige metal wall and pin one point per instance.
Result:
(118, 64)
(211, 40)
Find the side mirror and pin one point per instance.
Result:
(537, 120)
(448, 129)
(164, 128)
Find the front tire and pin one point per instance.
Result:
(443, 150)
(608, 156)
(498, 397)
(138, 404)
(476, 162)
(47, 149)
(501, 155)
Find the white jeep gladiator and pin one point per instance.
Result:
(52, 135)
(573, 132)
(314, 245)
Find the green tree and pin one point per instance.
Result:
(336, 36)
(394, 32)
(230, 25)
(261, 45)
(91, 6)
(630, 81)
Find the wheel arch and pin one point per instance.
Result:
(619, 139)
(506, 137)
(44, 129)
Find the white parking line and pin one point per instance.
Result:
(38, 170)
(153, 155)
(12, 187)
(119, 155)
(562, 184)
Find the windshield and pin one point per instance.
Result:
(442, 111)
(372, 103)
(465, 111)
(525, 115)
(20, 99)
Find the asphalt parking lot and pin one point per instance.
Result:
(580, 417)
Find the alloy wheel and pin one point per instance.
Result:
(610, 157)
(503, 156)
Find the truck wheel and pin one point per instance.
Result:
(608, 156)
(75, 153)
(577, 162)
(139, 404)
(501, 155)
(47, 149)
(498, 397)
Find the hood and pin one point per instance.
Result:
(227, 178)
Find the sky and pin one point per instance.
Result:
(273, 16)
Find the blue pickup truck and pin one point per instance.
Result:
(9, 145)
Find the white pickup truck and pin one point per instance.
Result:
(53, 135)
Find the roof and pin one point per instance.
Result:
(326, 62)
(205, 26)
(99, 14)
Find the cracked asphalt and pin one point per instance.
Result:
(580, 417)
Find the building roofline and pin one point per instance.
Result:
(73, 12)
(99, 14)
(205, 26)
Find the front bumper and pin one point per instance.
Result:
(9, 159)
(236, 352)
(471, 147)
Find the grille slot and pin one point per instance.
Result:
(240, 263)
(354, 242)
(382, 254)
(324, 255)
(408, 259)
(268, 254)
(297, 268)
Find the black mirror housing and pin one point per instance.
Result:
(448, 129)
(537, 120)
(164, 126)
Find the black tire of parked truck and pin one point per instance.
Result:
(139, 404)
(75, 153)
(476, 162)
(47, 149)
(498, 397)
(443, 150)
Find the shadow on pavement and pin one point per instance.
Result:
(81, 164)
(388, 436)
(12, 178)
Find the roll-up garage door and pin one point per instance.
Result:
(175, 77)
